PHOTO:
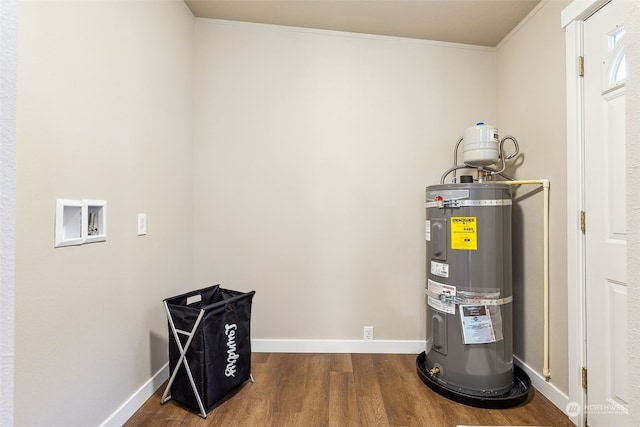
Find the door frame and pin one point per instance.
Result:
(572, 18)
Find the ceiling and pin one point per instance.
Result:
(475, 22)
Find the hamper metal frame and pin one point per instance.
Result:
(183, 359)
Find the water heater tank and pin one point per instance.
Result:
(469, 294)
(480, 145)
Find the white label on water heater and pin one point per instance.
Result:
(443, 303)
(440, 269)
(428, 230)
(477, 327)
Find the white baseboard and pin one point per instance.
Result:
(128, 408)
(337, 346)
(546, 388)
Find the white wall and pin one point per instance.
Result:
(312, 153)
(104, 112)
(633, 202)
(8, 47)
(531, 106)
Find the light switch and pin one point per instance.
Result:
(142, 224)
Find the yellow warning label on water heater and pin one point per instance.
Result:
(464, 233)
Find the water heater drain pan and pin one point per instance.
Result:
(518, 393)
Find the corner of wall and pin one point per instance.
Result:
(8, 65)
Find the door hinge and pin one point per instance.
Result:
(584, 378)
(581, 66)
(583, 222)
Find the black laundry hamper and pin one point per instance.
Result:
(209, 346)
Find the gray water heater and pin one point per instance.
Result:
(469, 350)
(469, 301)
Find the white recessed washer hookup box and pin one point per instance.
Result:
(68, 223)
(80, 221)
(96, 215)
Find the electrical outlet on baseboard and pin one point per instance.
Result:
(368, 333)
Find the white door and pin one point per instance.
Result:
(605, 207)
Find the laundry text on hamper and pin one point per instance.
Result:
(232, 358)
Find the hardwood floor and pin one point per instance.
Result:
(343, 390)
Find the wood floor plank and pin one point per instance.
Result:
(341, 390)
(313, 395)
(400, 404)
(343, 405)
(365, 377)
(341, 363)
(289, 375)
(371, 412)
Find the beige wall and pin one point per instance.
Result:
(104, 112)
(312, 150)
(531, 106)
(312, 153)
